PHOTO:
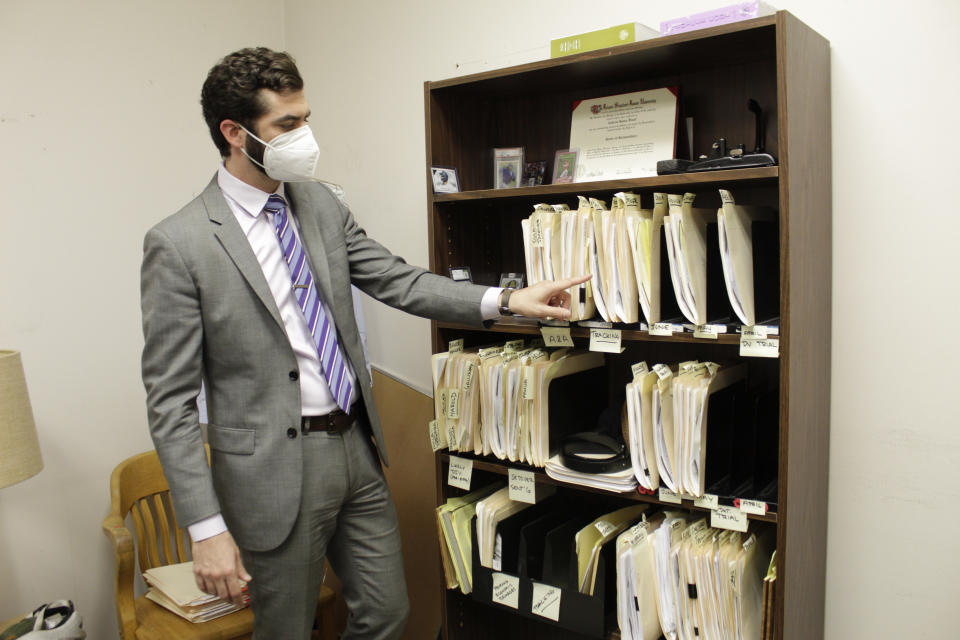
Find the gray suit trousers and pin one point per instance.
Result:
(346, 514)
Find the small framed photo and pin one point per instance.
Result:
(460, 274)
(512, 280)
(565, 166)
(445, 180)
(534, 173)
(507, 167)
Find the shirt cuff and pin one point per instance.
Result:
(490, 303)
(207, 528)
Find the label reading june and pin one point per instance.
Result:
(731, 518)
(523, 486)
(459, 473)
(546, 601)
(506, 590)
(557, 336)
(605, 340)
(661, 329)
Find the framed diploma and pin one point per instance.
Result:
(623, 136)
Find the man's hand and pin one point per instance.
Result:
(218, 569)
(546, 299)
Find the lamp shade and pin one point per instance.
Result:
(19, 448)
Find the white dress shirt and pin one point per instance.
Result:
(247, 202)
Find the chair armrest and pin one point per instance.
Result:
(122, 541)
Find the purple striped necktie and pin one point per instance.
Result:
(332, 358)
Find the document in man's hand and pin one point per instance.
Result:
(174, 588)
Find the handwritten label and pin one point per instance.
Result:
(726, 197)
(637, 533)
(452, 436)
(513, 346)
(437, 441)
(663, 371)
(468, 374)
(528, 388)
(506, 590)
(455, 346)
(707, 331)
(453, 404)
(731, 518)
(755, 348)
(459, 473)
(706, 501)
(758, 332)
(557, 336)
(639, 369)
(661, 329)
(604, 527)
(536, 231)
(523, 486)
(666, 495)
(605, 340)
(753, 507)
(546, 601)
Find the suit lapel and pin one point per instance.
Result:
(228, 232)
(313, 239)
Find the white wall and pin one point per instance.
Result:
(101, 136)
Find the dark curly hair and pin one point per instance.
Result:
(231, 90)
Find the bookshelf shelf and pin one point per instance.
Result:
(785, 66)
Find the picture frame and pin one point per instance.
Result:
(460, 274)
(507, 167)
(534, 173)
(445, 180)
(512, 280)
(565, 166)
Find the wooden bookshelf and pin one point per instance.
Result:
(785, 66)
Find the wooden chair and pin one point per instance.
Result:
(139, 489)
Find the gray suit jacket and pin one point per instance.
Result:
(208, 315)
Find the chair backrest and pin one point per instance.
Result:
(139, 489)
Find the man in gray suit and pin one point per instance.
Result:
(247, 288)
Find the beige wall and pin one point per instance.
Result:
(100, 136)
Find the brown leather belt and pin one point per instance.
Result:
(335, 421)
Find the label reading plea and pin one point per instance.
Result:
(459, 473)
(757, 348)
(437, 441)
(605, 340)
(506, 590)
(523, 486)
(546, 601)
(731, 518)
(557, 336)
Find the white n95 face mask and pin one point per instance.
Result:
(290, 157)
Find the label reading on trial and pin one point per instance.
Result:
(731, 518)
(757, 348)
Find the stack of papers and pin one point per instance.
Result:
(670, 407)
(619, 481)
(708, 581)
(456, 548)
(736, 225)
(769, 599)
(644, 235)
(490, 512)
(174, 587)
(592, 537)
(496, 400)
(686, 231)
(637, 604)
